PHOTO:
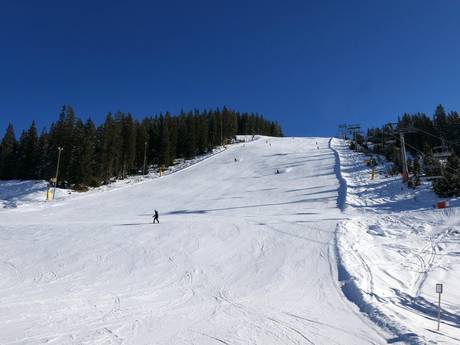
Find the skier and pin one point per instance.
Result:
(277, 171)
(155, 217)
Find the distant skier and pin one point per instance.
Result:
(277, 171)
(236, 160)
(155, 217)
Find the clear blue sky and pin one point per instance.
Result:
(308, 64)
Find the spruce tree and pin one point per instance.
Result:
(164, 149)
(110, 155)
(440, 121)
(43, 162)
(28, 154)
(128, 136)
(8, 155)
(190, 137)
(141, 141)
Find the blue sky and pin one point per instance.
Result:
(310, 65)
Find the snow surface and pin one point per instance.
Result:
(242, 256)
(17, 193)
(394, 248)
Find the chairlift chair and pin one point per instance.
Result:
(429, 178)
(441, 152)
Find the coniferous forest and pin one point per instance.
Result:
(433, 146)
(93, 155)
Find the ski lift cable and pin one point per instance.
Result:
(409, 145)
(439, 138)
(434, 136)
(428, 133)
(443, 146)
(423, 154)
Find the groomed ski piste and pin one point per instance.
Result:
(314, 254)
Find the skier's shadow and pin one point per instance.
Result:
(188, 212)
(179, 212)
(132, 224)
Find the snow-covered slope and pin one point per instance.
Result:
(395, 247)
(20, 193)
(17, 193)
(242, 256)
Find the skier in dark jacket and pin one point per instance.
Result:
(155, 217)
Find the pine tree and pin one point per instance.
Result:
(84, 136)
(141, 141)
(449, 185)
(190, 137)
(88, 154)
(8, 155)
(110, 155)
(202, 135)
(69, 160)
(28, 154)
(42, 167)
(440, 121)
(214, 135)
(164, 148)
(128, 135)
(173, 134)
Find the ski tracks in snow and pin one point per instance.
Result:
(427, 257)
(266, 323)
(242, 256)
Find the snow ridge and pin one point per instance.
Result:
(347, 283)
(342, 190)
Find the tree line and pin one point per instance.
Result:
(93, 155)
(426, 138)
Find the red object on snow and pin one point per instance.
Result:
(441, 204)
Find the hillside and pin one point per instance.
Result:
(242, 255)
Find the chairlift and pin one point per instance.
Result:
(429, 178)
(392, 141)
(441, 152)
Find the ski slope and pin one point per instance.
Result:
(396, 247)
(242, 255)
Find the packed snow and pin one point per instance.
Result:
(242, 255)
(395, 247)
(15, 193)
(272, 241)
